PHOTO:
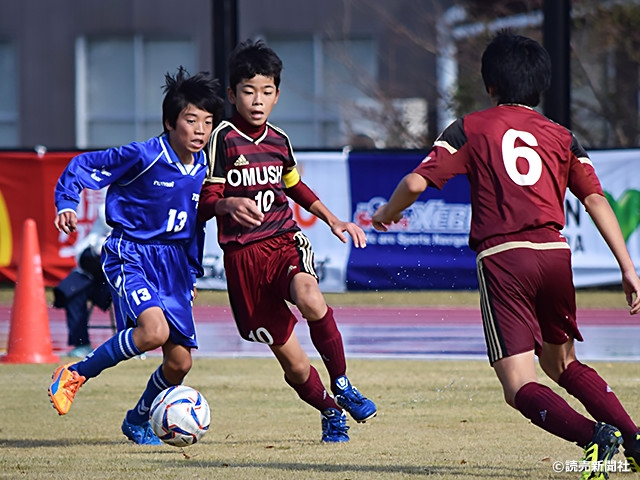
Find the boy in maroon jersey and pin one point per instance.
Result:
(268, 261)
(519, 165)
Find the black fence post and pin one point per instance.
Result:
(557, 38)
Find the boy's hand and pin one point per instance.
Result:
(631, 287)
(243, 210)
(381, 219)
(357, 234)
(66, 222)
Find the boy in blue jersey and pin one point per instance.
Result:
(268, 261)
(151, 258)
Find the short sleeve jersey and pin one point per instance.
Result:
(252, 168)
(519, 165)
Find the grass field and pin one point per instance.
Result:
(437, 419)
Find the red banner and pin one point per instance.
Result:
(27, 182)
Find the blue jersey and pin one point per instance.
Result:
(152, 196)
(153, 254)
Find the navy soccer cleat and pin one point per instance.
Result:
(349, 398)
(140, 434)
(334, 426)
(599, 451)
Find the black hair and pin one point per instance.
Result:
(516, 69)
(251, 58)
(182, 89)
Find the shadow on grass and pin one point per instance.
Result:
(57, 442)
(473, 471)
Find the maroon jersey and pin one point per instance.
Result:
(519, 165)
(252, 168)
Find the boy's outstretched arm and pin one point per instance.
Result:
(299, 192)
(407, 192)
(607, 224)
(338, 227)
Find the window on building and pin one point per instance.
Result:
(8, 96)
(119, 84)
(320, 76)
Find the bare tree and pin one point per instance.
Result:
(605, 66)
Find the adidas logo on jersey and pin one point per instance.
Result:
(241, 161)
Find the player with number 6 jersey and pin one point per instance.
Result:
(524, 172)
(519, 165)
(268, 261)
(152, 257)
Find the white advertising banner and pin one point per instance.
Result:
(593, 263)
(326, 173)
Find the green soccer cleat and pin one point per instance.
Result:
(599, 451)
(632, 453)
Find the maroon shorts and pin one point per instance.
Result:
(258, 279)
(527, 297)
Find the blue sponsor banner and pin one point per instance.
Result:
(428, 248)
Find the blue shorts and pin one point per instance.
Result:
(145, 275)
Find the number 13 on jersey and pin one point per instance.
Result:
(176, 221)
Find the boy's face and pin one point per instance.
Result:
(192, 131)
(254, 99)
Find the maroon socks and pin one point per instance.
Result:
(327, 339)
(313, 392)
(584, 383)
(551, 412)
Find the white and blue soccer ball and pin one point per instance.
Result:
(180, 416)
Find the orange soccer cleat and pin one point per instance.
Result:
(64, 387)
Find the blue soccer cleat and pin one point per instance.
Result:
(349, 398)
(334, 426)
(140, 434)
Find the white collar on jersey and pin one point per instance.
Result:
(514, 105)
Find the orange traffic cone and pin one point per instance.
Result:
(29, 334)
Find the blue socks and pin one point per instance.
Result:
(156, 384)
(118, 348)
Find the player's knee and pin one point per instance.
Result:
(510, 398)
(151, 338)
(298, 372)
(307, 295)
(312, 305)
(553, 369)
(178, 369)
(313, 312)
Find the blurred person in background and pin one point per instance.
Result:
(85, 287)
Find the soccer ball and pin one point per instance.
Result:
(180, 416)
